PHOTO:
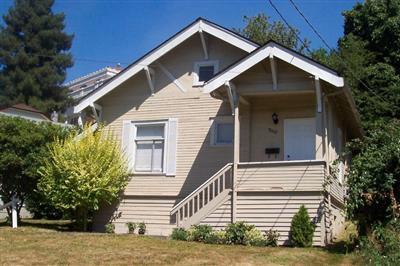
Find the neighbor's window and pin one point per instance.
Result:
(222, 132)
(150, 141)
(204, 71)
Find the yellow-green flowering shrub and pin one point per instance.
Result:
(84, 171)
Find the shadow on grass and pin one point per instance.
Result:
(56, 225)
(341, 247)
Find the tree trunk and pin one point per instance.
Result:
(84, 219)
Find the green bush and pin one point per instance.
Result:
(302, 229)
(41, 208)
(84, 172)
(23, 149)
(211, 239)
(236, 232)
(200, 232)
(216, 237)
(272, 237)
(374, 177)
(254, 237)
(221, 236)
(109, 228)
(142, 228)
(131, 227)
(179, 234)
(383, 246)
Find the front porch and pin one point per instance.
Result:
(286, 134)
(266, 194)
(278, 127)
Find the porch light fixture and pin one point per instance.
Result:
(275, 118)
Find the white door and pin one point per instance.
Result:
(299, 139)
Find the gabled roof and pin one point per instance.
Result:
(24, 107)
(274, 49)
(279, 51)
(198, 25)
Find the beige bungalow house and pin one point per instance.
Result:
(218, 129)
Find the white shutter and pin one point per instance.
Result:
(172, 146)
(128, 143)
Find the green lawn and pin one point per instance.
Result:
(44, 242)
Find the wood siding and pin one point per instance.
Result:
(261, 130)
(285, 176)
(258, 79)
(220, 217)
(275, 210)
(337, 190)
(150, 198)
(272, 210)
(197, 160)
(154, 211)
(336, 223)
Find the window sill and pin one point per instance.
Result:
(148, 174)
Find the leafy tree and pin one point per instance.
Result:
(41, 208)
(377, 22)
(34, 56)
(260, 30)
(371, 48)
(302, 229)
(374, 178)
(83, 172)
(23, 148)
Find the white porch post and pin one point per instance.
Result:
(236, 152)
(234, 102)
(320, 144)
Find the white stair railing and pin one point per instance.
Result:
(201, 198)
(13, 203)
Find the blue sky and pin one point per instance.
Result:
(111, 31)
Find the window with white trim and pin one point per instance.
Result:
(150, 143)
(204, 71)
(150, 146)
(222, 131)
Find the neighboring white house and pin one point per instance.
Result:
(81, 86)
(218, 129)
(24, 111)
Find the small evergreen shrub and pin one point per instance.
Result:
(131, 227)
(109, 228)
(302, 229)
(271, 238)
(142, 228)
(200, 232)
(236, 232)
(179, 234)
